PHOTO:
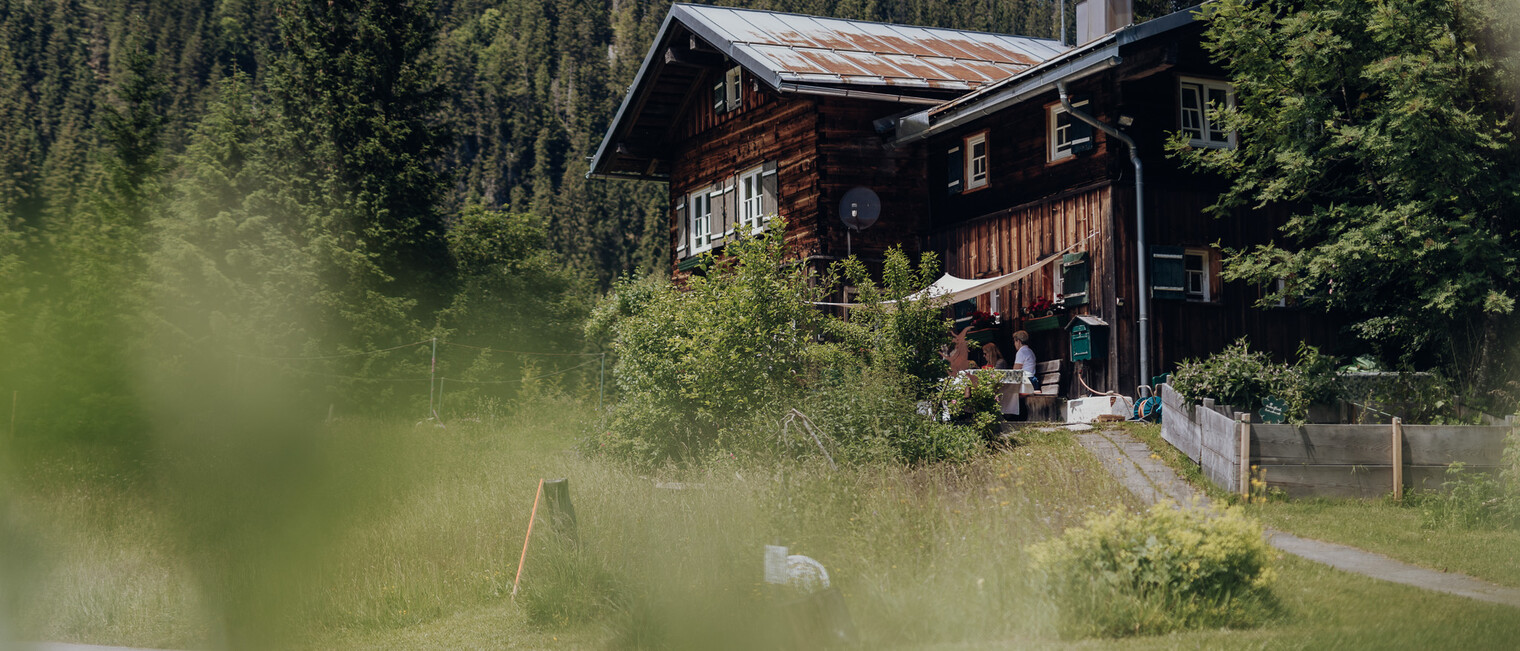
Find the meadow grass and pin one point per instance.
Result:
(1377, 525)
(422, 554)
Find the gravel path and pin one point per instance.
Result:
(1130, 461)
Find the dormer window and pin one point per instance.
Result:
(1197, 99)
(728, 93)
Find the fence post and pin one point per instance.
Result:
(1245, 454)
(1398, 458)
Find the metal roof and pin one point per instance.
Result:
(793, 53)
(1072, 64)
(793, 48)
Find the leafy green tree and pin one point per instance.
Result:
(1389, 130)
(904, 336)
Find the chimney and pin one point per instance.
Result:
(1098, 17)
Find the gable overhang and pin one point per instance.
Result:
(637, 141)
(1087, 60)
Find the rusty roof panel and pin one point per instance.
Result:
(793, 47)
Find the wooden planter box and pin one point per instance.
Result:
(1041, 324)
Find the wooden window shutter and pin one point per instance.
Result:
(720, 97)
(1081, 132)
(1168, 275)
(683, 235)
(955, 170)
(731, 206)
(715, 228)
(1076, 277)
(770, 198)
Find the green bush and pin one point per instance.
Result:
(1242, 378)
(1165, 570)
(714, 367)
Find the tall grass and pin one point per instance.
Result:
(921, 554)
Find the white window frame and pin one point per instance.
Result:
(1054, 132)
(699, 212)
(971, 179)
(751, 188)
(1202, 134)
(1057, 283)
(1202, 275)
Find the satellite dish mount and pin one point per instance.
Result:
(859, 210)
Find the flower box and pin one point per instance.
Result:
(1043, 323)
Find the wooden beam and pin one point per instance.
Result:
(1398, 458)
(693, 58)
(1245, 456)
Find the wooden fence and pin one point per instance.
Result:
(1323, 459)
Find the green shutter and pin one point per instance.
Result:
(955, 169)
(1076, 275)
(1081, 130)
(1168, 279)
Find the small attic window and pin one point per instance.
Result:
(728, 93)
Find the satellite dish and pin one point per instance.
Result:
(859, 208)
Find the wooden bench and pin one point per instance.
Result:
(1046, 404)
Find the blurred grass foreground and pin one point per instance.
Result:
(261, 533)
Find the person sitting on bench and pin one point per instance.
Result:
(1023, 358)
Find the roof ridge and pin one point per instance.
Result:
(702, 7)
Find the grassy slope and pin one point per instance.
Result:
(1374, 525)
(927, 557)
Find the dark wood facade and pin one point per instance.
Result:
(822, 147)
(1032, 208)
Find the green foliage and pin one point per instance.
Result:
(901, 336)
(1467, 500)
(715, 366)
(1241, 377)
(1166, 570)
(1389, 129)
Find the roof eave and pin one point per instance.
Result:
(634, 91)
(1073, 64)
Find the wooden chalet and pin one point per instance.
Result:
(965, 138)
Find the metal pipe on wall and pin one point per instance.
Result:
(1143, 297)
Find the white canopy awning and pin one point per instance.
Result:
(955, 289)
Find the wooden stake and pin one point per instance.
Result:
(1245, 456)
(524, 558)
(1398, 458)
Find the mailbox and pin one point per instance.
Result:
(1089, 338)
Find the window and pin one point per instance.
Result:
(1195, 269)
(976, 161)
(752, 200)
(699, 228)
(1068, 136)
(728, 93)
(1197, 98)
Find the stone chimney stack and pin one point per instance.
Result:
(1098, 17)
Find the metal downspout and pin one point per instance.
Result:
(1143, 296)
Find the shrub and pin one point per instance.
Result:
(1242, 378)
(1164, 570)
(715, 367)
